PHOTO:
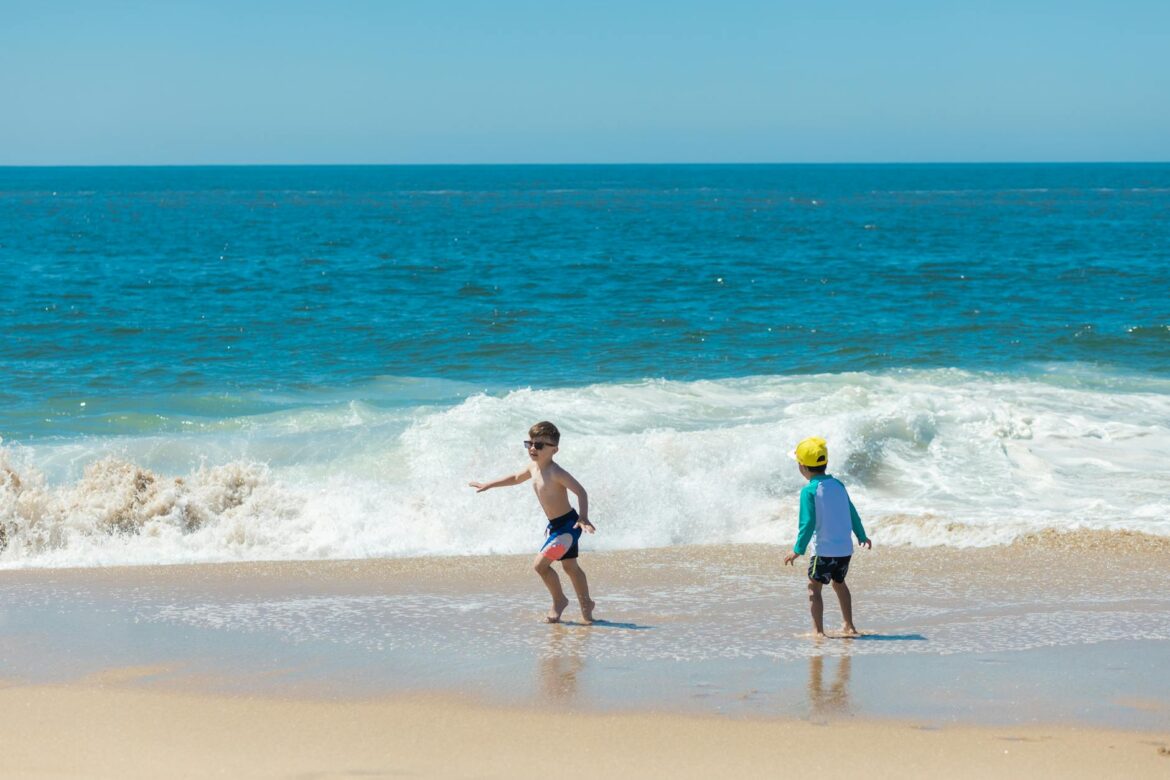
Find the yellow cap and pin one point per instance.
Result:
(813, 451)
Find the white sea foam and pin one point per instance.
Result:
(942, 457)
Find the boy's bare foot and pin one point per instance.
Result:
(587, 610)
(849, 630)
(554, 614)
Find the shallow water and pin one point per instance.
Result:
(1039, 631)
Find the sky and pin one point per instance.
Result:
(558, 81)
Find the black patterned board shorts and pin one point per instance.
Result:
(823, 568)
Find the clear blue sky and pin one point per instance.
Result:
(406, 81)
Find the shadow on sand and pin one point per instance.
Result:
(605, 624)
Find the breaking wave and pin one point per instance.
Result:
(939, 457)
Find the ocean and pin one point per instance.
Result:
(274, 363)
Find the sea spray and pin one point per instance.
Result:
(116, 501)
(936, 457)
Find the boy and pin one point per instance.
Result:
(826, 518)
(552, 483)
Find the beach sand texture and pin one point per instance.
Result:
(84, 730)
(1042, 657)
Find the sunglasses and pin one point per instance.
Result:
(537, 445)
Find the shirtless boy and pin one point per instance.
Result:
(552, 485)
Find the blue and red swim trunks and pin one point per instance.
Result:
(563, 534)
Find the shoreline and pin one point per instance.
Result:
(1052, 541)
(700, 666)
(719, 629)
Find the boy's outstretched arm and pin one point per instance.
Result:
(515, 479)
(808, 524)
(858, 529)
(566, 479)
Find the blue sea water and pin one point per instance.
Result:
(304, 325)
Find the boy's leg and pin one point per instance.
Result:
(543, 567)
(846, 599)
(581, 586)
(816, 606)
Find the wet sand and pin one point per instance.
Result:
(1042, 649)
(106, 731)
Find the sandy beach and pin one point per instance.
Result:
(96, 729)
(701, 664)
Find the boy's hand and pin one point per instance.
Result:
(789, 558)
(584, 524)
(479, 486)
(867, 544)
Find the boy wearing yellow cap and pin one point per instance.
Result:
(828, 521)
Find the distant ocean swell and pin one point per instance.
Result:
(931, 457)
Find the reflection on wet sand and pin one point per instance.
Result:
(825, 703)
(562, 660)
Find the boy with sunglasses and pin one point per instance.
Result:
(828, 520)
(552, 485)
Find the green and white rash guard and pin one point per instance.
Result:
(827, 518)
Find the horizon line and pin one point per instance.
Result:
(573, 164)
